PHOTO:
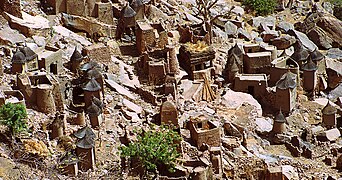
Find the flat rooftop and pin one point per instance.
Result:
(259, 54)
(252, 77)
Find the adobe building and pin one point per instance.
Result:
(153, 66)
(126, 21)
(257, 62)
(85, 148)
(95, 115)
(11, 96)
(51, 61)
(69, 165)
(91, 88)
(41, 90)
(24, 60)
(91, 8)
(286, 94)
(196, 62)
(169, 114)
(309, 76)
(104, 12)
(279, 124)
(253, 84)
(203, 131)
(145, 36)
(329, 115)
(92, 52)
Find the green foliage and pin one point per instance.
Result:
(154, 148)
(336, 2)
(14, 116)
(262, 7)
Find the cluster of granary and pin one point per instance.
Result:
(42, 84)
(44, 90)
(251, 68)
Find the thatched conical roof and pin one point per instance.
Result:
(329, 109)
(92, 85)
(288, 80)
(86, 131)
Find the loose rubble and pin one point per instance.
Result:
(252, 97)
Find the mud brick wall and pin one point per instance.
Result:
(98, 53)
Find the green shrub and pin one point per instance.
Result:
(337, 8)
(262, 7)
(154, 148)
(14, 116)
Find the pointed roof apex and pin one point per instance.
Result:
(310, 66)
(86, 142)
(76, 56)
(18, 58)
(329, 109)
(85, 131)
(288, 80)
(90, 65)
(92, 85)
(236, 49)
(280, 117)
(28, 52)
(300, 53)
(94, 110)
(316, 55)
(128, 12)
(234, 67)
(94, 73)
(137, 3)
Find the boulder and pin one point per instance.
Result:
(242, 33)
(92, 26)
(283, 42)
(338, 12)
(117, 87)
(339, 163)
(9, 36)
(8, 169)
(324, 30)
(269, 21)
(231, 29)
(69, 34)
(234, 100)
(303, 39)
(263, 126)
(284, 26)
(329, 135)
(267, 35)
(29, 25)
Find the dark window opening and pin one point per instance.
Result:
(53, 68)
(251, 90)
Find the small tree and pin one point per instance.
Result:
(203, 12)
(154, 148)
(262, 7)
(14, 117)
